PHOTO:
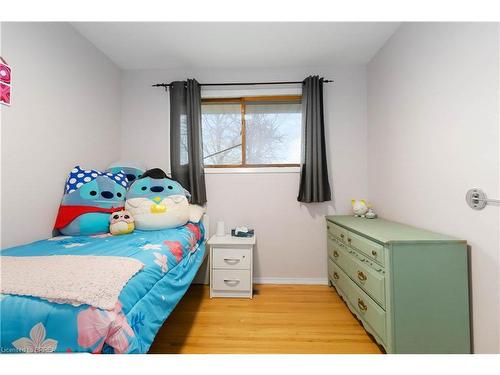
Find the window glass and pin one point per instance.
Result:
(273, 133)
(269, 134)
(221, 130)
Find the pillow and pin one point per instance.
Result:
(158, 202)
(89, 198)
(132, 170)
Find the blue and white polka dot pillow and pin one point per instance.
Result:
(78, 177)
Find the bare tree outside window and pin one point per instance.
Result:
(184, 157)
(221, 130)
(248, 132)
(273, 133)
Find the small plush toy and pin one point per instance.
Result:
(158, 202)
(121, 222)
(370, 214)
(359, 207)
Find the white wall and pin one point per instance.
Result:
(291, 236)
(1, 127)
(433, 133)
(65, 110)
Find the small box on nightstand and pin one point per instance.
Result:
(231, 266)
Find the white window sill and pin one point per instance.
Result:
(261, 170)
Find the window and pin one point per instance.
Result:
(252, 131)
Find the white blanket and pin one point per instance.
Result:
(73, 279)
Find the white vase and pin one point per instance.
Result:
(220, 229)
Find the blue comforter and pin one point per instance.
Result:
(171, 259)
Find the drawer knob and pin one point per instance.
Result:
(374, 253)
(361, 304)
(349, 240)
(335, 254)
(361, 276)
(336, 276)
(342, 236)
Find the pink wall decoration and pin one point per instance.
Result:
(5, 82)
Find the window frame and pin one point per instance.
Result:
(242, 100)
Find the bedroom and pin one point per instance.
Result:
(278, 128)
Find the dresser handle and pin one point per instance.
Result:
(361, 276)
(349, 240)
(342, 236)
(335, 254)
(374, 253)
(231, 260)
(234, 281)
(362, 305)
(336, 276)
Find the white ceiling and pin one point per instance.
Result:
(168, 45)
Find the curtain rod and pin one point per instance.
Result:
(243, 83)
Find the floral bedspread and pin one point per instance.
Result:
(171, 259)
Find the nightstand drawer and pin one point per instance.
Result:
(239, 280)
(237, 259)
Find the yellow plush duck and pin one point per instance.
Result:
(121, 222)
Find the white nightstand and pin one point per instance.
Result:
(231, 266)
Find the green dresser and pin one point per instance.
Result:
(408, 286)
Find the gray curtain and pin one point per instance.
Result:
(186, 152)
(314, 183)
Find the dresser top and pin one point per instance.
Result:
(386, 231)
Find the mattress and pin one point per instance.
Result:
(171, 258)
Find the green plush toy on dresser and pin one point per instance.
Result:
(408, 286)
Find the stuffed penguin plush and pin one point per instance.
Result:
(158, 202)
(121, 222)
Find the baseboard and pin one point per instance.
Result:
(291, 280)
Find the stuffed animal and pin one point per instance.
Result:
(133, 171)
(121, 222)
(370, 214)
(89, 198)
(359, 207)
(158, 202)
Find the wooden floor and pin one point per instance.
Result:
(279, 319)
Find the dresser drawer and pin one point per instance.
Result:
(363, 275)
(336, 232)
(332, 273)
(340, 279)
(331, 246)
(371, 249)
(237, 280)
(226, 258)
(369, 311)
(364, 306)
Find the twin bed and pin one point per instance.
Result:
(170, 258)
